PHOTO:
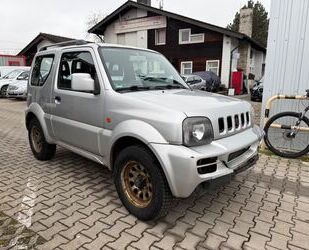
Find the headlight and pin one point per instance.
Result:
(197, 131)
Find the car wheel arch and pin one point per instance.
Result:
(34, 111)
(127, 141)
(29, 117)
(122, 143)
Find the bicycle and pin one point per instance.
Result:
(287, 133)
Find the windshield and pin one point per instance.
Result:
(12, 74)
(138, 70)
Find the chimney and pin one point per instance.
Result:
(246, 21)
(146, 2)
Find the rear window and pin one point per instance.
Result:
(41, 69)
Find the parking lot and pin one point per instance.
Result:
(70, 203)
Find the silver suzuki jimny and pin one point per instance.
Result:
(129, 110)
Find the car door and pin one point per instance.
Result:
(77, 116)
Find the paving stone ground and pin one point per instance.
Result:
(71, 203)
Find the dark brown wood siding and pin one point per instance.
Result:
(198, 53)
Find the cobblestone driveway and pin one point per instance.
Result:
(70, 203)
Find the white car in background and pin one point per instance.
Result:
(4, 70)
(18, 88)
(195, 82)
(9, 78)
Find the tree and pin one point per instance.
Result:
(92, 20)
(260, 22)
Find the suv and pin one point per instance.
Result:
(129, 110)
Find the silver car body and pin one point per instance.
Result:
(17, 89)
(91, 125)
(195, 82)
(6, 81)
(4, 70)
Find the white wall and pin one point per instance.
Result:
(288, 53)
(109, 35)
(228, 45)
(137, 39)
(225, 61)
(257, 63)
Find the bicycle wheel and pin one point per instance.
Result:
(278, 136)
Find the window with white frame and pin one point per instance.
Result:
(213, 65)
(186, 37)
(186, 68)
(160, 36)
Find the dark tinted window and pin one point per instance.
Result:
(23, 76)
(74, 62)
(41, 69)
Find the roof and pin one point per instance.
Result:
(39, 38)
(100, 27)
(60, 46)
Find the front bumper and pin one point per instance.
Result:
(230, 155)
(16, 94)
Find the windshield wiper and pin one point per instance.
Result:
(169, 86)
(132, 88)
(174, 85)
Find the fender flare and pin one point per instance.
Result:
(38, 112)
(137, 129)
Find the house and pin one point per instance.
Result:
(41, 40)
(189, 44)
(11, 60)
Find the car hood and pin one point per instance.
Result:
(5, 81)
(20, 83)
(193, 103)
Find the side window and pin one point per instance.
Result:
(23, 76)
(72, 63)
(197, 79)
(191, 80)
(41, 69)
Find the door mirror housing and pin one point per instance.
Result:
(82, 82)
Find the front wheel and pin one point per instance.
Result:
(141, 183)
(3, 91)
(41, 150)
(281, 140)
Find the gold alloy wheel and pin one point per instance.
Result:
(136, 184)
(36, 139)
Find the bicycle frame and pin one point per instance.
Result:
(287, 97)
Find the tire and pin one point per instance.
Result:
(273, 148)
(3, 91)
(41, 150)
(160, 195)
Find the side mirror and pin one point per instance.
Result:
(22, 78)
(82, 82)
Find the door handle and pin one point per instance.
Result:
(57, 99)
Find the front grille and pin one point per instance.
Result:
(233, 123)
(229, 123)
(221, 125)
(242, 117)
(236, 118)
(238, 153)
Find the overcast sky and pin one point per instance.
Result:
(21, 21)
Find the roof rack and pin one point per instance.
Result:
(63, 44)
